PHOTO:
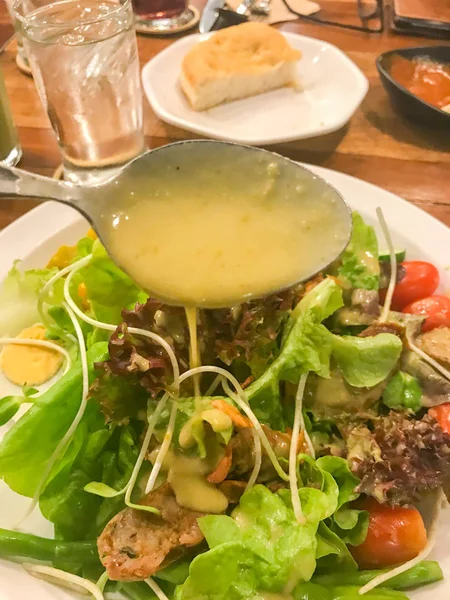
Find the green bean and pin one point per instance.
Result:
(427, 571)
(25, 545)
(351, 592)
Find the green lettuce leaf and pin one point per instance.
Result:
(348, 523)
(311, 591)
(220, 528)
(227, 572)
(108, 288)
(260, 547)
(19, 298)
(268, 528)
(263, 545)
(107, 455)
(332, 553)
(26, 447)
(64, 502)
(176, 572)
(360, 267)
(117, 461)
(340, 471)
(319, 491)
(365, 362)
(307, 346)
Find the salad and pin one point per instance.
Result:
(306, 459)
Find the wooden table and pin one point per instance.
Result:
(377, 145)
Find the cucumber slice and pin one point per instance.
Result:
(399, 255)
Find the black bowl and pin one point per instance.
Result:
(404, 101)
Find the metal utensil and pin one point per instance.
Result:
(94, 202)
(244, 6)
(210, 14)
(261, 8)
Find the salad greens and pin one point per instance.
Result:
(365, 362)
(42, 427)
(307, 346)
(364, 433)
(19, 297)
(403, 391)
(108, 288)
(359, 267)
(9, 405)
(260, 546)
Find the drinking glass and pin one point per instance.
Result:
(10, 150)
(84, 60)
(20, 49)
(162, 15)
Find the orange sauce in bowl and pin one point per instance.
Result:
(423, 77)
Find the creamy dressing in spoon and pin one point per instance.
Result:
(215, 229)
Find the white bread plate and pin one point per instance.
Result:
(331, 89)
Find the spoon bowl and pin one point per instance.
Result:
(205, 174)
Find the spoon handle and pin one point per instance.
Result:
(21, 184)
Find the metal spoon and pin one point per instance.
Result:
(96, 202)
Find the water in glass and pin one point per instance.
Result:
(85, 64)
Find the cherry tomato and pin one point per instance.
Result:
(436, 309)
(442, 415)
(395, 535)
(420, 280)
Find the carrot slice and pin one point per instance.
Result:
(82, 291)
(223, 467)
(301, 446)
(238, 419)
(250, 379)
(442, 415)
(395, 535)
(313, 282)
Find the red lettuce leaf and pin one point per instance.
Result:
(398, 458)
(245, 338)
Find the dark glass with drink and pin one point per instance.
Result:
(159, 9)
(162, 15)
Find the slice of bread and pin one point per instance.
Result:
(237, 62)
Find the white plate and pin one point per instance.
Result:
(41, 231)
(332, 89)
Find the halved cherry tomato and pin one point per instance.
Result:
(395, 535)
(436, 309)
(420, 279)
(442, 415)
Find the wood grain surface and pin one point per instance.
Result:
(377, 145)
